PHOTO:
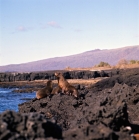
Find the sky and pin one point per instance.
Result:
(32, 30)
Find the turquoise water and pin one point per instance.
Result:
(10, 100)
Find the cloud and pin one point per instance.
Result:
(53, 24)
(21, 28)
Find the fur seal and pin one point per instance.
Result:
(44, 92)
(56, 90)
(65, 86)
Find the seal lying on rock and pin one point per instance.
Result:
(44, 92)
(65, 86)
(56, 90)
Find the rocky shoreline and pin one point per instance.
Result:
(30, 82)
(49, 75)
(108, 110)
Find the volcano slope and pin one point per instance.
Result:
(106, 111)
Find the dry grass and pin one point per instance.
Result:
(73, 81)
(128, 66)
(83, 81)
(38, 83)
(106, 68)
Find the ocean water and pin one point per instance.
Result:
(10, 100)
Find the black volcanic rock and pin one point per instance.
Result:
(27, 126)
(106, 111)
(11, 77)
(100, 115)
(127, 76)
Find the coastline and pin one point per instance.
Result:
(107, 109)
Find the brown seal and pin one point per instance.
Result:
(56, 90)
(44, 92)
(136, 136)
(65, 86)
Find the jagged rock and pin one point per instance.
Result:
(27, 126)
(99, 115)
(106, 111)
(11, 77)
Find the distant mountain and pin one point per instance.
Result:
(86, 59)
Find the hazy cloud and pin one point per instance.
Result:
(54, 24)
(21, 28)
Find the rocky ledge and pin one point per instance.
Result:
(107, 114)
(106, 111)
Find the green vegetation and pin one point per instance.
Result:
(121, 63)
(130, 62)
(103, 64)
(134, 62)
